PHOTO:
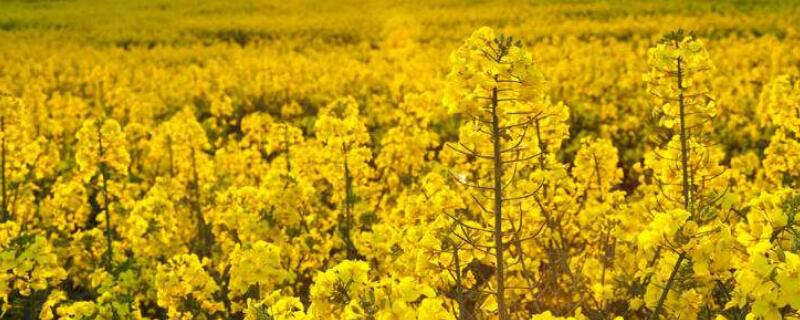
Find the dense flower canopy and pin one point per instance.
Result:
(433, 160)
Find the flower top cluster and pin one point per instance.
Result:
(101, 146)
(488, 64)
(680, 75)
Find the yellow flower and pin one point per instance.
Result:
(185, 288)
(101, 147)
(259, 266)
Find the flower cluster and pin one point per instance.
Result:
(290, 169)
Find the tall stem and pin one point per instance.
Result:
(348, 210)
(498, 209)
(287, 149)
(542, 145)
(171, 157)
(106, 204)
(462, 309)
(687, 192)
(202, 228)
(5, 212)
(670, 281)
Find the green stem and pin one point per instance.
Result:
(204, 234)
(287, 149)
(106, 205)
(687, 192)
(5, 212)
(498, 209)
(348, 210)
(171, 157)
(462, 309)
(667, 287)
(687, 196)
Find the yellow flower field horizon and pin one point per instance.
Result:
(431, 160)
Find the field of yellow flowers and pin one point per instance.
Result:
(430, 160)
